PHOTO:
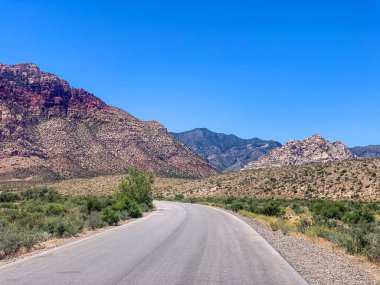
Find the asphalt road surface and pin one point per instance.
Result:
(177, 244)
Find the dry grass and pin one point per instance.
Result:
(101, 185)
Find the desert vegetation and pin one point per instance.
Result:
(31, 216)
(357, 179)
(351, 225)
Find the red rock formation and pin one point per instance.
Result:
(50, 130)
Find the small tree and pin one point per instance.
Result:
(137, 186)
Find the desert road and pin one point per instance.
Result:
(177, 244)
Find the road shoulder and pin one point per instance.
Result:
(317, 264)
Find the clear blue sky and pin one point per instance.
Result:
(270, 69)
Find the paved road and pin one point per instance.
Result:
(178, 244)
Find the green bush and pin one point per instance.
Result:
(179, 197)
(11, 214)
(110, 217)
(61, 227)
(93, 204)
(138, 186)
(9, 196)
(329, 210)
(358, 216)
(31, 220)
(134, 210)
(31, 216)
(55, 209)
(237, 206)
(271, 208)
(42, 194)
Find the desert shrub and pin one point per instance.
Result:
(237, 206)
(31, 220)
(358, 216)
(124, 215)
(93, 204)
(9, 196)
(372, 250)
(179, 197)
(43, 194)
(109, 216)
(134, 210)
(319, 231)
(138, 186)
(33, 215)
(30, 238)
(119, 205)
(10, 214)
(55, 209)
(297, 208)
(145, 208)
(61, 227)
(94, 220)
(329, 210)
(12, 239)
(228, 200)
(33, 206)
(303, 225)
(270, 208)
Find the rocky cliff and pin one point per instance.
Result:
(297, 152)
(225, 152)
(49, 130)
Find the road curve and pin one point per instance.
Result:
(177, 244)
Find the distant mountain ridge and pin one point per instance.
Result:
(225, 152)
(297, 152)
(49, 130)
(370, 151)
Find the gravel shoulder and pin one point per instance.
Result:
(318, 264)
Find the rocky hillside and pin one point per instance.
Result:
(297, 152)
(370, 151)
(225, 152)
(357, 179)
(49, 130)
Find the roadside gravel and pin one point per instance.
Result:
(318, 265)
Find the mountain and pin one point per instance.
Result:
(370, 151)
(49, 130)
(225, 152)
(297, 152)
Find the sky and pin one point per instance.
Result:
(270, 69)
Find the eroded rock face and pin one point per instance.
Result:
(297, 152)
(56, 131)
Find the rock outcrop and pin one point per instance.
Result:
(49, 130)
(225, 152)
(297, 152)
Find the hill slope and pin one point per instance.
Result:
(225, 152)
(370, 151)
(49, 130)
(357, 179)
(297, 152)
